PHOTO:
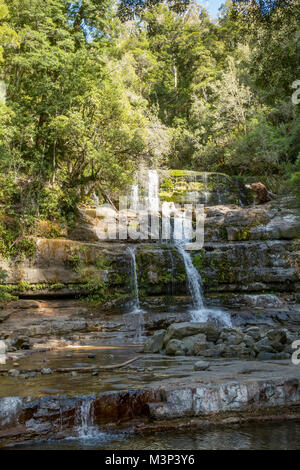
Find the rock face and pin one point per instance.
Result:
(225, 397)
(250, 258)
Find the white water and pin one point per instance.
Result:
(135, 320)
(153, 191)
(194, 283)
(9, 409)
(85, 418)
(199, 313)
(136, 306)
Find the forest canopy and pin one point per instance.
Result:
(91, 89)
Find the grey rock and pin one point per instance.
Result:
(278, 335)
(181, 330)
(155, 344)
(194, 344)
(46, 371)
(254, 332)
(265, 356)
(175, 347)
(14, 372)
(201, 365)
(277, 346)
(263, 345)
(212, 352)
(234, 339)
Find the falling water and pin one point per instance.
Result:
(9, 409)
(86, 428)
(136, 307)
(200, 313)
(153, 191)
(136, 318)
(194, 283)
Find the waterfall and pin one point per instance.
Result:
(135, 319)
(194, 283)
(200, 313)
(9, 410)
(153, 191)
(86, 428)
(132, 253)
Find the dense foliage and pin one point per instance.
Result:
(93, 88)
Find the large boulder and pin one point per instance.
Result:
(156, 343)
(175, 347)
(182, 330)
(280, 228)
(277, 335)
(193, 345)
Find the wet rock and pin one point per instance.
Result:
(181, 330)
(175, 347)
(263, 346)
(31, 374)
(266, 356)
(278, 335)
(277, 346)
(21, 342)
(213, 353)
(234, 339)
(193, 345)
(155, 343)
(254, 332)
(201, 365)
(46, 371)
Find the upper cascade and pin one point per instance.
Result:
(155, 186)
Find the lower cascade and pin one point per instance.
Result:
(135, 319)
(199, 313)
(136, 306)
(86, 428)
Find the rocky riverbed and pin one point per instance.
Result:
(208, 340)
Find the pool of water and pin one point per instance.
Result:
(271, 436)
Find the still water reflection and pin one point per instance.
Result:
(251, 436)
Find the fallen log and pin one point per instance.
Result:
(77, 369)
